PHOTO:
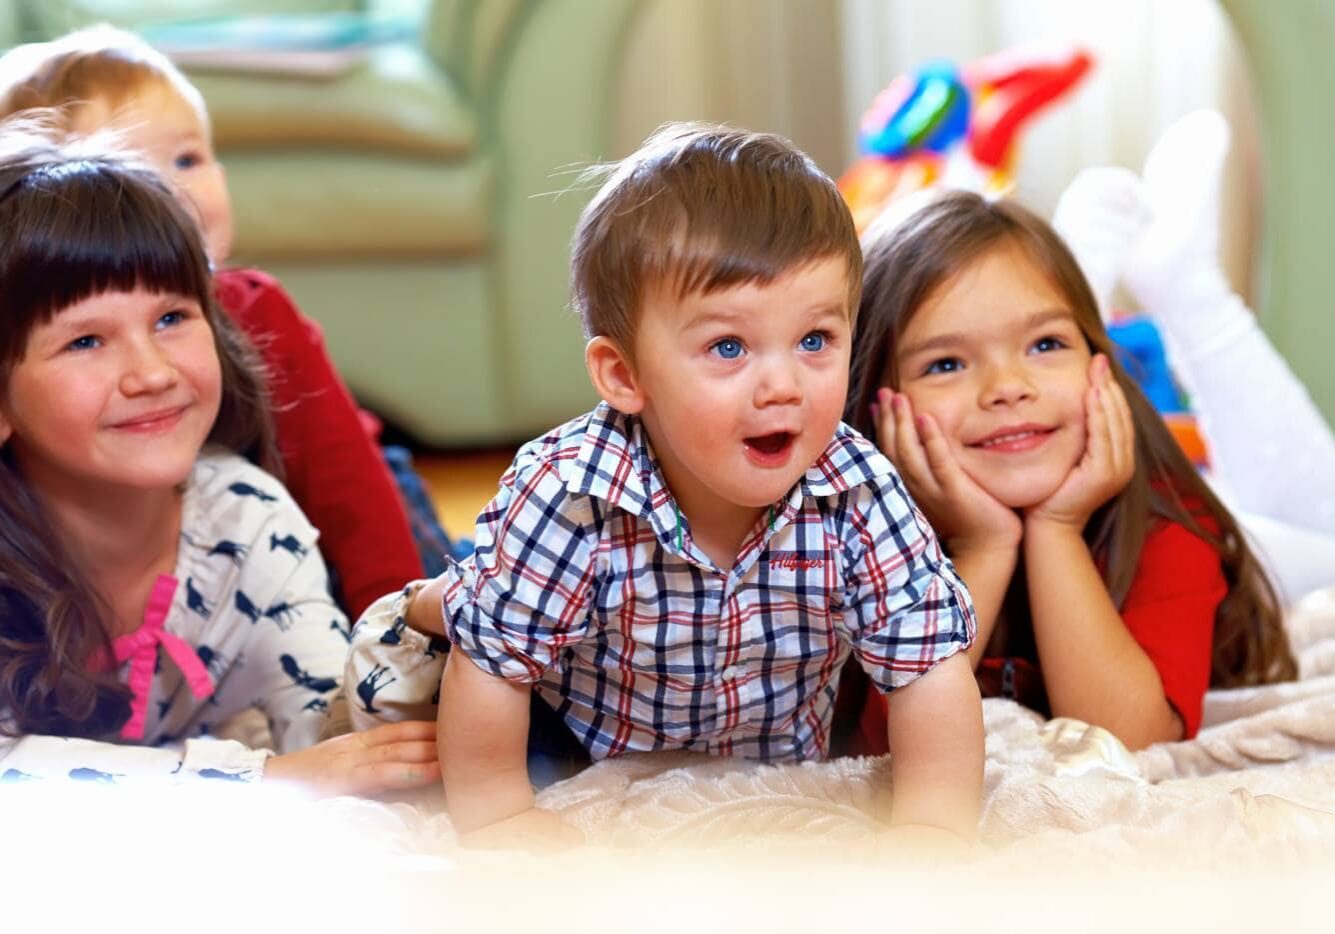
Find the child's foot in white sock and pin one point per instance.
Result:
(1099, 215)
(1179, 251)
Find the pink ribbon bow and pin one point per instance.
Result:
(139, 648)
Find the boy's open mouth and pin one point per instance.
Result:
(770, 444)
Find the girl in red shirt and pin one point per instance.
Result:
(1110, 584)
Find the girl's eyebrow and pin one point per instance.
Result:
(1031, 322)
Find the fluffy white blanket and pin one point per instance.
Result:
(1069, 816)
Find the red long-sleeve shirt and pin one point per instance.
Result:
(334, 468)
(1169, 611)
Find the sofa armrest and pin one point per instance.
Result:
(549, 115)
(467, 38)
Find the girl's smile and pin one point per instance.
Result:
(153, 422)
(1014, 439)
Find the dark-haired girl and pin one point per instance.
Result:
(153, 581)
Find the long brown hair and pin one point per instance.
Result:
(905, 262)
(76, 222)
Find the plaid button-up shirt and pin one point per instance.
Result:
(586, 582)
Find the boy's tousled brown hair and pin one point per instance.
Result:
(907, 261)
(99, 64)
(701, 207)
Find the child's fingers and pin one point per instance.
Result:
(909, 455)
(884, 417)
(940, 461)
(1121, 427)
(403, 731)
(1097, 444)
(393, 776)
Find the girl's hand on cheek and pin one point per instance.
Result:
(965, 515)
(1109, 460)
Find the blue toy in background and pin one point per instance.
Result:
(1141, 353)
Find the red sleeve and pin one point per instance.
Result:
(1170, 612)
(334, 468)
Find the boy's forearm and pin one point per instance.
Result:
(482, 734)
(936, 749)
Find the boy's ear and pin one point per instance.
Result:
(613, 376)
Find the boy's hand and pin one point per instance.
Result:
(391, 757)
(425, 611)
(1109, 460)
(965, 515)
(535, 830)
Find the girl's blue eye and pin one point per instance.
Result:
(187, 160)
(1048, 344)
(944, 365)
(171, 317)
(87, 342)
(814, 341)
(729, 348)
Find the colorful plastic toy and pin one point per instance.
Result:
(940, 114)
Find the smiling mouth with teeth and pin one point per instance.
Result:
(1014, 439)
(771, 443)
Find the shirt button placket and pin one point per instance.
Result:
(731, 694)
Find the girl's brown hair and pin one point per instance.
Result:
(74, 224)
(907, 261)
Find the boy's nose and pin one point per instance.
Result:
(778, 385)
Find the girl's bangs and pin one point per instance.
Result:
(78, 233)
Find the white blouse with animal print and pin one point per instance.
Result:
(246, 621)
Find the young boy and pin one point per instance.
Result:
(689, 565)
(105, 78)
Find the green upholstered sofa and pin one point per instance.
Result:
(412, 205)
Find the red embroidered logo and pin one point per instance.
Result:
(791, 562)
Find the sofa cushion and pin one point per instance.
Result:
(330, 203)
(397, 99)
(47, 19)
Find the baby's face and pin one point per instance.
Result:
(166, 128)
(744, 387)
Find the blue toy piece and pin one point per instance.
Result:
(1141, 353)
(927, 110)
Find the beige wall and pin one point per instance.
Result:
(772, 65)
(808, 69)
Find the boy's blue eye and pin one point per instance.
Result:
(814, 341)
(87, 342)
(729, 348)
(187, 160)
(1048, 344)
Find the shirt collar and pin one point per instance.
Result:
(615, 464)
(848, 461)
